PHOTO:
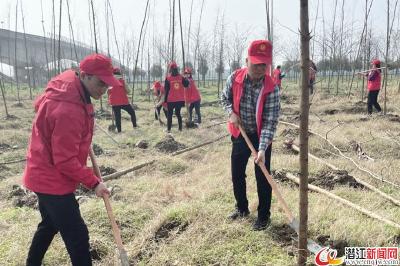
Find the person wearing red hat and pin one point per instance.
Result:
(56, 158)
(373, 86)
(312, 73)
(192, 96)
(251, 99)
(118, 99)
(174, 94)
(278, 76)
(159, 94)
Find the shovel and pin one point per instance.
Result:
(123, 256)
(312, 246)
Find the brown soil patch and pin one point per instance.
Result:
(330, 179)
(21, 197)
(97, 149)
(106, 170)
(339, 245)
(169, 145)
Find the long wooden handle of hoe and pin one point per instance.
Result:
(268, 177)
(106, 199)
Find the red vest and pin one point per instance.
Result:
(276, 75)
(374, 85)
(192, 94)
(176, 91)
(117, 95)
(237, 90)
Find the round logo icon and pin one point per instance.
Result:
(176, 86)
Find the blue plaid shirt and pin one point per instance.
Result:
(248, 103)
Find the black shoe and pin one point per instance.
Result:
(238, 214)
(261, 224)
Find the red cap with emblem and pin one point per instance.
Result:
(157, 84)
(99, 66)
(376, 62)
(173, 65)
(260, 52)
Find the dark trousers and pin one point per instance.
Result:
(157, 112)
(239, 157)
(373, 101)
(311, 85)
(196, 106)
(117, 112)
(177, 107)
(60, 214)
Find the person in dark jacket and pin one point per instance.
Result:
(56, 158)
(118, 99)
(174, 86)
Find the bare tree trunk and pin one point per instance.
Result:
(188, 36)
(340, 50)
(138, 49)
(173, 32)
(4, 97)
(26, 54)
(304, 105)
(72, 32)
(59, 40)
(15, 52)
(45, 43)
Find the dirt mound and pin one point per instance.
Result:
(332, 178)
(356, 108)
(21, 197)
(339, 245)
(288, 99)
(285, 236)
(330, 111)
(169, 145)
(98, 250)
(4, 147)
(166, 233)
(21, 105)
(170, 228)
(142, 144)
(106, 170)
(97, 149)
(393, 118)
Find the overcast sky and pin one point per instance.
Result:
(128, 16)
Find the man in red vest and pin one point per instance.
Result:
(278, 76)
(374, 86)
(251, 99)
(192, 96)
(61, 136)
(118, 99)
(174, 94)
(159, 93)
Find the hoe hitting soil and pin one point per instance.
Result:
(123, 256)
(312, 246)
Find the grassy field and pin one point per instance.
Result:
(174, 211)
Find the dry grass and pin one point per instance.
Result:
(174, 211)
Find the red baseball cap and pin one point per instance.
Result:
(260, 52)
(157, 84)
(117, 71)
(173, 65)
(376, 62)
(188, 70)
(99, 66)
